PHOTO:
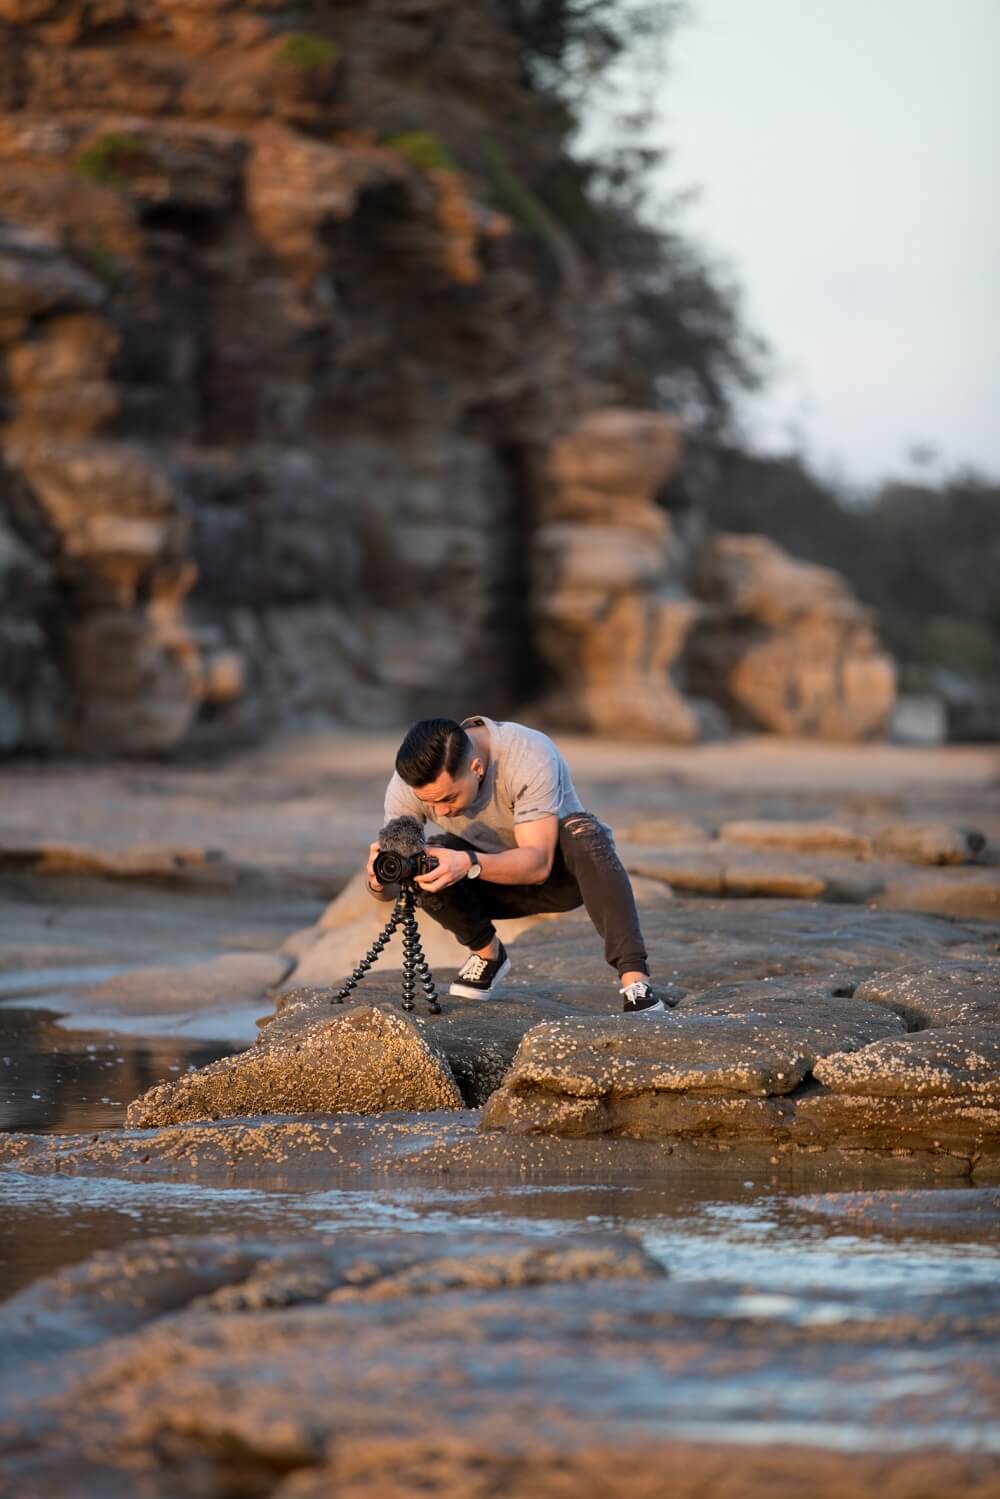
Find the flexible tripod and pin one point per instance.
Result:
(415, 964)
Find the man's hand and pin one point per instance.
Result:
(373, 883)
(453, 864)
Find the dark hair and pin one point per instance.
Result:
(431, 746)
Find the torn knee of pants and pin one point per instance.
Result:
(581, 823)
(593, 834)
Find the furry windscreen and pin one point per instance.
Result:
(402, 835)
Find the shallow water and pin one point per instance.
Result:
(763, 1268)
(54, 1078)
(778, 1250)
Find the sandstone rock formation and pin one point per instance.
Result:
(611, 600)
(299, 419)
(363, 1062)
(740, 1064)
(270, 352)
(806, 1038)
(785, 645)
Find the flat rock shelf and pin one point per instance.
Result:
(284, 1247)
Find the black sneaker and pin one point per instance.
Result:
(641, 996)
(478, 977)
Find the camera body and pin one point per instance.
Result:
(390, 867)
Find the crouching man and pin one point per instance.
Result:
(514, 841)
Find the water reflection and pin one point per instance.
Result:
(55, 1079)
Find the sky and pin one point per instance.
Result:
(847, 154)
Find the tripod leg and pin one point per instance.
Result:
(372, 955)
(415, 965)
(409, 950)
(420, 967)
(427, 979)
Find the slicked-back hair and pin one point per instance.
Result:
(431, 747)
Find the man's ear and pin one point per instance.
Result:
(477, 767)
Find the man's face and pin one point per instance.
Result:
(449, 796)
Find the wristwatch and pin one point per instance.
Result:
(475, 868)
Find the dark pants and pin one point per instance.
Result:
(586, 871)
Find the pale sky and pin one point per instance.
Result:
(848, 158)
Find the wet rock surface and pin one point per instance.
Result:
(416, 1363)
(944, 1212)
(964, 1064)
(758, 1059)
(940, 992)
(392, 1308)
(224, 1275)
(168, 993)
(769, 994)
(366, 1062)
(768, 1050)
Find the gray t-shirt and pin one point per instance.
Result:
(527, 778)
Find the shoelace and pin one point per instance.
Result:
(474, 968)
(636, 991)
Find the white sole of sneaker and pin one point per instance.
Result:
(466, 991)
(658, 1009)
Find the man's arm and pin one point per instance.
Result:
(528, 864)
(531, 862)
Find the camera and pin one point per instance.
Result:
(389, 867)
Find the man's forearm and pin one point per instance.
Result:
(518, 866)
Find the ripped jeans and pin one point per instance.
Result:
(586, 871)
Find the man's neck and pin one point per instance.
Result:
(480, 737)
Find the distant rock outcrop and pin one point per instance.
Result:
(785, 645)
(611, 601)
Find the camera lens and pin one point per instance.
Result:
(388, 867)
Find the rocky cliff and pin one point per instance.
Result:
(310, 407)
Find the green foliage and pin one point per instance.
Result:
(682, 342)
(932, 563)
(563, 38)
(422, 149)
(306, 51)
(511, 194)
(111, 158)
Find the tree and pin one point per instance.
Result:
(684, 346)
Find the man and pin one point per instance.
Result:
(517, 842)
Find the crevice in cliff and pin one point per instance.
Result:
(514, 624)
